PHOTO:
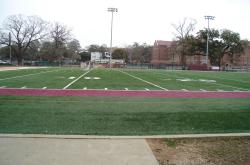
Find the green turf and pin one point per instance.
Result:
(131, 79)
(122, 115)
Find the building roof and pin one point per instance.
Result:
(163, 43)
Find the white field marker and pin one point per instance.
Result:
(219, 90)
(23, 87)
(3, 87)
(203, 90)
(143, 80)
(184, 89)
(146, 89)
(71, 78)
(84, 88)
(105, 88)
(76, 79)
(44, 87)
(126, 89)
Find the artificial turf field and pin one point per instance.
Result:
(105, 115)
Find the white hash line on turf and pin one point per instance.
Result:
(76, 79)
(230, 86)
(27, 75)
(143, 80)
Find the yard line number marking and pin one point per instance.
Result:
(27, 75)
(143, 80)
(76, 79)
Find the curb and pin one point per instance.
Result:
(123, 137)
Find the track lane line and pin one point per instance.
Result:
(76, 79)
(143, 80)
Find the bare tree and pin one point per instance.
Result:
(182, 33)
(24, 31)
(60, 35)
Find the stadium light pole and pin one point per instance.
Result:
(208, 17)
(112, 10)
(10, 46)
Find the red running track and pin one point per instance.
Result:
(121, 93)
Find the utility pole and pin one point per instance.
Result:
(208, 17)
(10, 46)
(112, 10)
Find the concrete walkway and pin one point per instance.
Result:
(49, 151)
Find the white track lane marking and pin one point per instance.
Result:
(143, 80)
(27, 75)
(76, 79)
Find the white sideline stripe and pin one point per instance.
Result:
(85, 88)
(105, 88)
(23, 87)
(146, 89)
(44, 87)
(184, 89)
(28, 75)
(232, 86)
(143, 80)
(3, 87)
(76, 79)
(219, 90)
(203, 90)
(126, 89)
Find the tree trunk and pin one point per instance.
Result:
(19, 56)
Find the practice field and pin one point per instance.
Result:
(122, 79)
(123, 101)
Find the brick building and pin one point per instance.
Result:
(164, 52)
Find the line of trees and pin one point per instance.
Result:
(221, 42)
(33, 38)
(36, 39)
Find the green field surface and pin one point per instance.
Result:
(122, 115)
(121, 79)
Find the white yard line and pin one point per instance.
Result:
(231, 86)
(27, 75)
(143, 80)
(76, 79)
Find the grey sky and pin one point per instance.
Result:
(136, 21)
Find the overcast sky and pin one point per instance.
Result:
(136, 21)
